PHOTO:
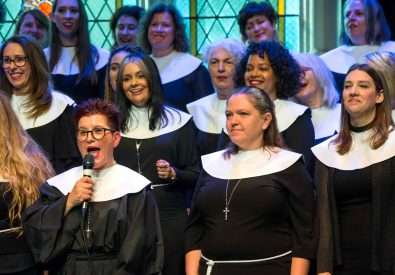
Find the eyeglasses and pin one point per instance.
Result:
(97, 133)
(18, 60)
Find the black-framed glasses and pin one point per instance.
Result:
(18, 60)
(97, 133)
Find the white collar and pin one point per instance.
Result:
(176, 65)
(340, 59)
(176, 120)
(287, 112)
(208, 113)
(248, 164)
(393, 115)
(58, 105)
(326, 121)
(361, 155)
(68, 63)
(110, 183)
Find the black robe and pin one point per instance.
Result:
(126, 234)
(382, 224)
(65, 76)
(15, 255)
(270, 214)
(189, 80)
(57, 135)
(178, 147)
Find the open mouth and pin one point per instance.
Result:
(94, 151)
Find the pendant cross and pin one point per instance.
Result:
(226, 211)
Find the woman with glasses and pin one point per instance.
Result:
(355, 179)
(23, 167)
(318, 92)
(45, 114)
(77, 67)
(103, 222)
(158, 142)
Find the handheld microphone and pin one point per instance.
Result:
(87, 168)
(87, 171)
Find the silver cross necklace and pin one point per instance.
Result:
(227, 201)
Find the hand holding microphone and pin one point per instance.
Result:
(82, 191)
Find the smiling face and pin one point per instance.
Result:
(161, 32)
(355, 22)
(102, 150)
(360, 97)
(126, 30)
(258, 28)
(259, 73)
(310, 88)
(115, 64)
(17, 74)
(66, 17)
(135, 84)
(245, 124)
(222, 69)
(32, 28)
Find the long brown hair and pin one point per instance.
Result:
(87, 55)
(22, 163)
(382, 121)
(261, 101)
(40, 97)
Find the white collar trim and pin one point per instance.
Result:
(68, 63)
(287, 112)
(208, 114)
(340, 59)
(110, 183)
(326, 121)
(176, 120)
(176, 65)
(58, 105)
(248, 164)
(361, 155)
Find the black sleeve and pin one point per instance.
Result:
(301, 210)
(188, 164)
(48, 231)
(195, 229)
(299, 137)
(141, 252)
(199, 82)
(65, 152)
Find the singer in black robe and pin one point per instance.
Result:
(126, 237)
(122, 218)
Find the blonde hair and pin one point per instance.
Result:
(22, 163)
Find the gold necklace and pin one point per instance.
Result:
(227, 201)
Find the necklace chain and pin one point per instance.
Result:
(227, 201)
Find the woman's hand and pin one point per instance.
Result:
(82, 191)
(192, 260)
(164, 170)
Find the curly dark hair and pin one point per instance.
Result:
(284, 66)
(132, 11)
(180, 41)
(251, 9)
